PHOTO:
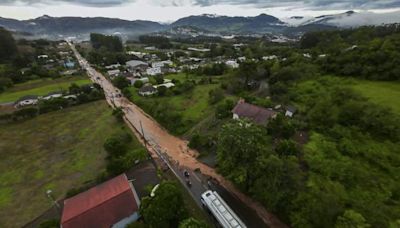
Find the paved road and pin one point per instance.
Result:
(174, 152)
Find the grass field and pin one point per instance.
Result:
(194, 106)
(58, 151)
(382, 93)
(40, 87)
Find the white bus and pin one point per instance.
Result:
(221, 211)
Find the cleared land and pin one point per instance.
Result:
(381, 93)
(58, 151)
(40, 87)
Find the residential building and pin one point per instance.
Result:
(232, 63)
(69, 64)
(113, 66)
(113, 73)
(147, 90)
(270, 57)
(167, 84)
(199, 49)
(241, 59)
(136, 66)
(290, 110)
(153, 71)
(27, 100)
(138, 54)
(257, 114)
(43, 56)
(113, 203)
(151, 48)
(52, 95)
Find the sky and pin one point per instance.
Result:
(170, 10)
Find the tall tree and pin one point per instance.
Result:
(166, 208)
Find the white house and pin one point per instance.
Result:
(168, 62)
(137, 54)
(290, 110)
(52, 95)
(168, 85)
(43, 56)
(199, 49)
(270, 57)
(113, 66)
(113, 73)
(232, 63)
(153, 71)
(151, 48)
(241, 59)
(157, 64)
(27, 100)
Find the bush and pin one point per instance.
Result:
(287, 148)
(127, 93)
(216, 95)
(120, 82)
(119, 114)
(162, 90)
(138, 84)
(224, 109)
(159, 79)
(52, 104)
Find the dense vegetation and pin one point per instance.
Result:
(8, 47)
(367, 52)
(156, 41)
(347, 173)
(108, 43)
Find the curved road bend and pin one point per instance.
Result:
(174, 147)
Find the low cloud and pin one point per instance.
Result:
(367, 18)
(310, 4)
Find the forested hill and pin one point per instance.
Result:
(367, 52)
(8, 47)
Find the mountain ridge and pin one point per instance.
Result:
(218, 24)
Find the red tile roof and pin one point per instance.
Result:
(100, 206)
(258, 114)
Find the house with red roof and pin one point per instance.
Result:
(113, 203)
(257, 114)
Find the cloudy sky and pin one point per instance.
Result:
(169, 10)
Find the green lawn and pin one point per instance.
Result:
(40, 87)
(381, 93)
(58, 151)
